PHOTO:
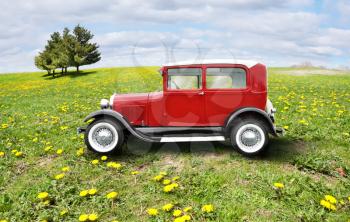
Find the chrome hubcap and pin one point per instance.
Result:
(250, 137)
(103, 136)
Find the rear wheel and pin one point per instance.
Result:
(250, 137)
(104, 136)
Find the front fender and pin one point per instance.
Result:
(253, 110)
(107, 113)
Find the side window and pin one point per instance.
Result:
(185, 78)
(226, 78)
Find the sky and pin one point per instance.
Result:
(154, 32)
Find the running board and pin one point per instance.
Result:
(192, 139)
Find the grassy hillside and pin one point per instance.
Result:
(39, 116)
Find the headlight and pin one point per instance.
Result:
(104, 104)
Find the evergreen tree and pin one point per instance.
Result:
(85, 53)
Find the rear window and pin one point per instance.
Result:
(226, 78)
(185, 78)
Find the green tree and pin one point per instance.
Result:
(85, 52)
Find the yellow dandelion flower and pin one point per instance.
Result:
(59, 151)
(286, 127)
(63, 212)
(4, 125)
(328, 205)
(95, 162)
(48, 148)
(176, 178)
(92, 191)
(80, 152)
(46, 202)
(278, 185)
(43, 195)
(35, 139)
(168, 207)
(83, 193)
(83, 217)
(330, 199)
(152, 212)
(19, 154)
(104, 158)
(349, 198)
(112, 195)
(166, 182)
(177, 213)
(14, 151)
(135, 172)
(59, 176)
(93, 217)
(65, 169)
(168, 188)
(63, 127)
(208, 208)
(186, 217)
(158, 177)
(2, 154)
(187, 209)
(114, 165)
(3, 220)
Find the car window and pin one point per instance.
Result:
(185, 78)
(226, 78)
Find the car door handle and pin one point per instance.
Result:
(201, 93)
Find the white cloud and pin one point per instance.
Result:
(278, 32)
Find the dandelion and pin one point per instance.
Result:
(135, 172)
(104, 158)
(48, 148)
(286, 127)
(63, 127)
(328, 205)
(278, 185)
(166, 182)
(152, 212)
(170, 188)
(3, 220)
(92, 191)
(208, 208)
(168, 207)
(330, 199)
(4, 125)
(177, 213)
(176, 178)
(43, 195)
(95, 162)
(112, 195)
(59, 176)
(18, 154)
(83, 217)
(14, 151)
(93, 217)
(80, 152)
(183, 218)
(63, 212)
(187, 209)
(83, 193)
(65, 169)
(2, 154)
(35, 139)
(114, 165)
(59, 151)
(158, 177)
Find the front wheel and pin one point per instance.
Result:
(104, 136)
(250, 137)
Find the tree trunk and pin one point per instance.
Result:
(65, 69)
(53, 73)
(62, 70)
(77, 68)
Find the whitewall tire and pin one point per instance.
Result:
(104, 136)
(250, 137)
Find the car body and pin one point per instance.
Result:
(204, 100)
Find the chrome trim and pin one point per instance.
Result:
(192, 139)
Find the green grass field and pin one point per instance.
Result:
(39, 116)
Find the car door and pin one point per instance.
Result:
(183, 97)
(226, 87)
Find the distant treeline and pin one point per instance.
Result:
(68, 50)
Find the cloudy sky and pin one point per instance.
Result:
(153, 32)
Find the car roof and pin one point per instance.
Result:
(248, 63)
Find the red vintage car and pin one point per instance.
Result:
(209, 100)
